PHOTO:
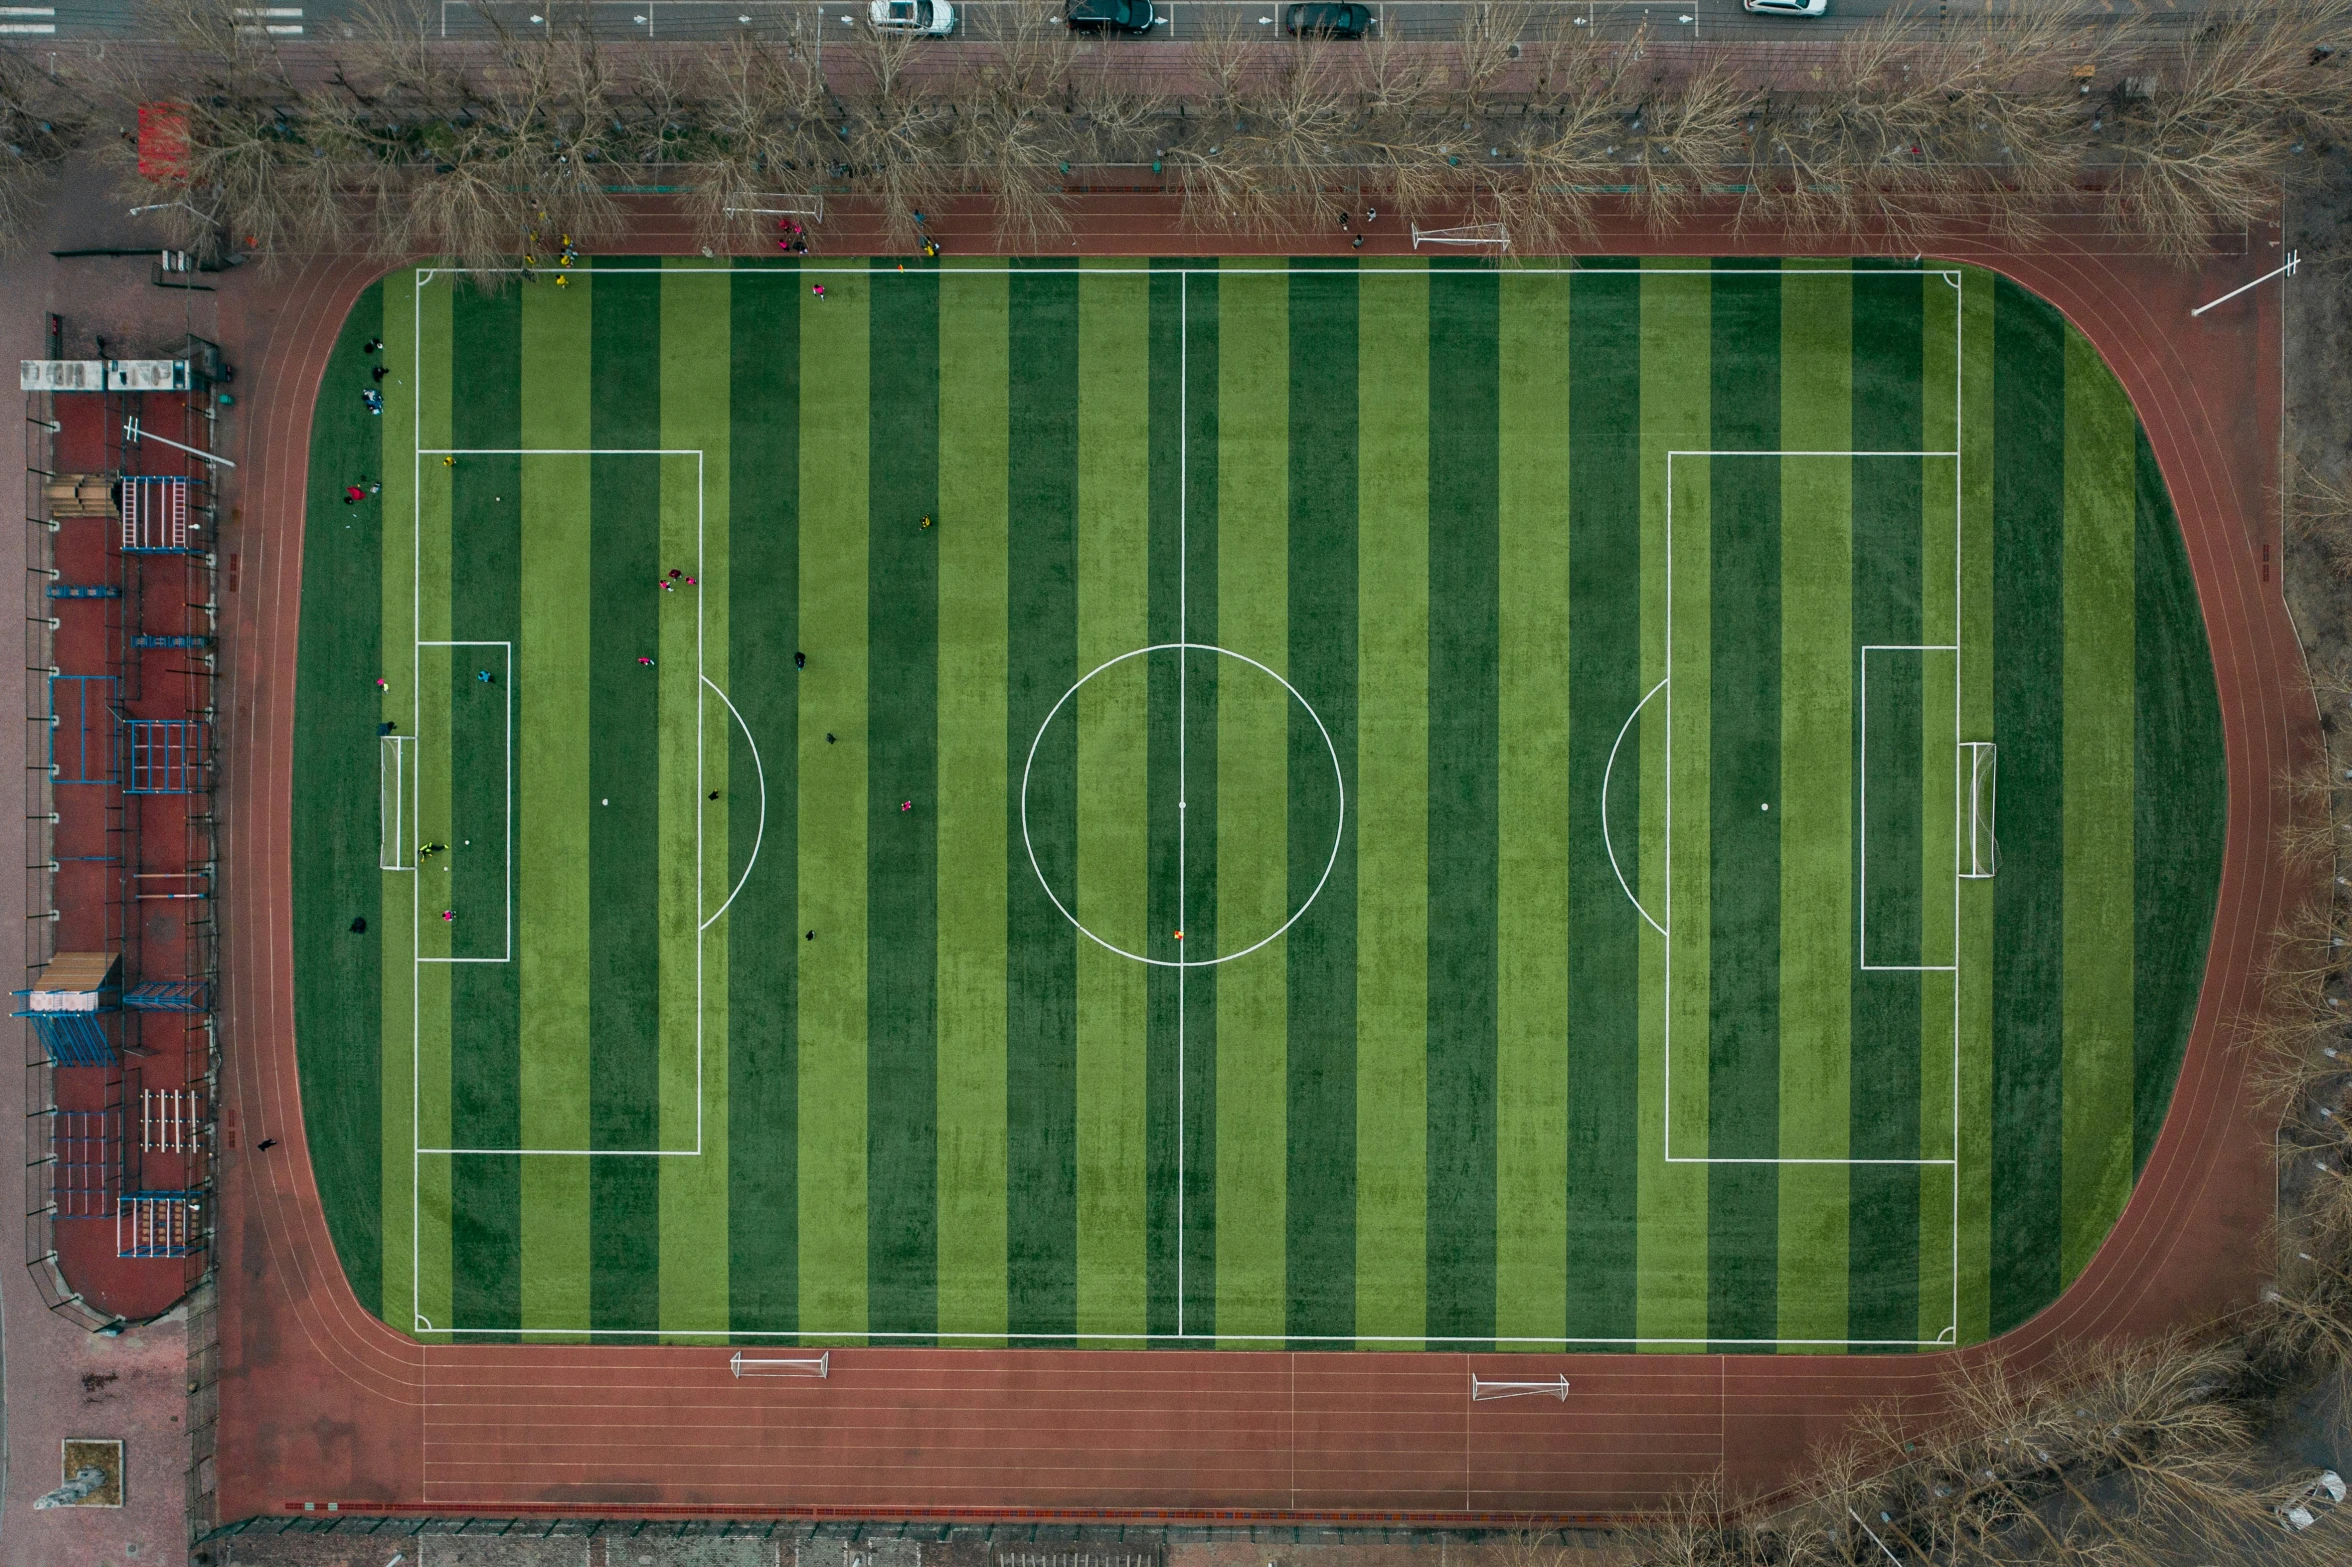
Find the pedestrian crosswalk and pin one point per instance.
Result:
(277, 21)
(23, 20)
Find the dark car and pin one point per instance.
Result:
(1110, 16)
(1328, 21)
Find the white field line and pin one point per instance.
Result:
(1862, 818)
(1946, 1337)
(1956, 454)
(419, 451)
(508, 684)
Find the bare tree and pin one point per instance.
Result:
(1701, 1525)
(1486, 54)
(896, 125)
(2291, 1048)
(769, 127)
(1220, 160)
(2318, 509)
(42, 119)
(1016, 131)
(1684, 132)
(2118, 1452)
(251, 172)
(1397, 126)
(1566, 143)
(1849, 154)
(1293, 127)
(411, 146)
(2009, 140)
(2197, 134)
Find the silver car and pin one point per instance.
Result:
(1787, 7)
(933, 18)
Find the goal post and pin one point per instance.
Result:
(1980, 781)
(778, 204)
(1484, 1391)
(817, 1366)
(395, 805)
(1489, 236)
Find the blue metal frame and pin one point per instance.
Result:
(70, 762)
(87, 1149)
(165, 755)
(72, 1038)
(166, 995)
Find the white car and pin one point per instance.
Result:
(2301, 1510)
(1788, 7)
(934, 18)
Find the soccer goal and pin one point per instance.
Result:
(1483, 1391)
(819, 1366)
(1982, 768)
(1490, 236)
(395, 805)
(778, 204)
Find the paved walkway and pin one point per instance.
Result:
(61, 1380)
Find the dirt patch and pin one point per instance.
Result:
(2318, 397)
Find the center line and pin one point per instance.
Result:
(1183, 637)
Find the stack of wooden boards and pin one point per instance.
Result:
(78, 495)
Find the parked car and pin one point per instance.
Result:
(2315, 1496)
(1322, 19)
(1788, 7)
(1110, 16)
(933, 18)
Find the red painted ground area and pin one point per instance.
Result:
(320, 1403)
(123, 860)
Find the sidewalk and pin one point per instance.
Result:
(57, 1379)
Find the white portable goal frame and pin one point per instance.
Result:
(819, 1366)
(1491, 235)
(779, 204)
(1483, 1391)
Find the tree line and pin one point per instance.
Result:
(399, 142)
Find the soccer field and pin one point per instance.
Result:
(1651, 803)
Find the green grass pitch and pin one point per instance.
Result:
(1545, 699)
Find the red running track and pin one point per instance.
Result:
(320, 1403)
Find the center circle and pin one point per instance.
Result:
(1182, 650)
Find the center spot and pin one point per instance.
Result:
(1182, 788)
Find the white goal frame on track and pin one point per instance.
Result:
(818, 1366)
(1483, 1391)
(1491, 236)
(779, 204)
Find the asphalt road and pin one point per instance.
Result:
(28, 25)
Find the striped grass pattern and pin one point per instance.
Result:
(1393, 804)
